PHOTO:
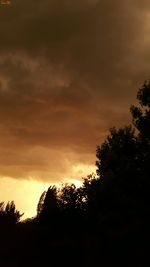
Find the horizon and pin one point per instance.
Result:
(69, 71)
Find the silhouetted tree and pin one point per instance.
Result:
(117, 155)
(89, 192)
(8, 214)
(117, 166)
(48, 206)
(40, 205)
(123, 167)
(141, 114)
(141, 120)
(68, 196)
(111, 207)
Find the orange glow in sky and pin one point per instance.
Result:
(5, 2)
(65, 80)
(26, 193)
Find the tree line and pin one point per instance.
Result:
(111, 208)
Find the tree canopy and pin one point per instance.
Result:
(110, 208)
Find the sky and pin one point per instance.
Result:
(69, 71)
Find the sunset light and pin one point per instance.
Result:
(74, 132)
(5, 2)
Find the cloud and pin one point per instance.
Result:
(69, 71)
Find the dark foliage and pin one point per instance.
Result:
(8, 214)
(105, 221)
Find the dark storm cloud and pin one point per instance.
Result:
(69, 70)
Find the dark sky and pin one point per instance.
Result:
(69, 70)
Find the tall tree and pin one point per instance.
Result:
(141, 120)
(117, 200)
(117, 155)
(141, 114)
(48, 206)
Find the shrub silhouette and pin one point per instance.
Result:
(8, 214)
